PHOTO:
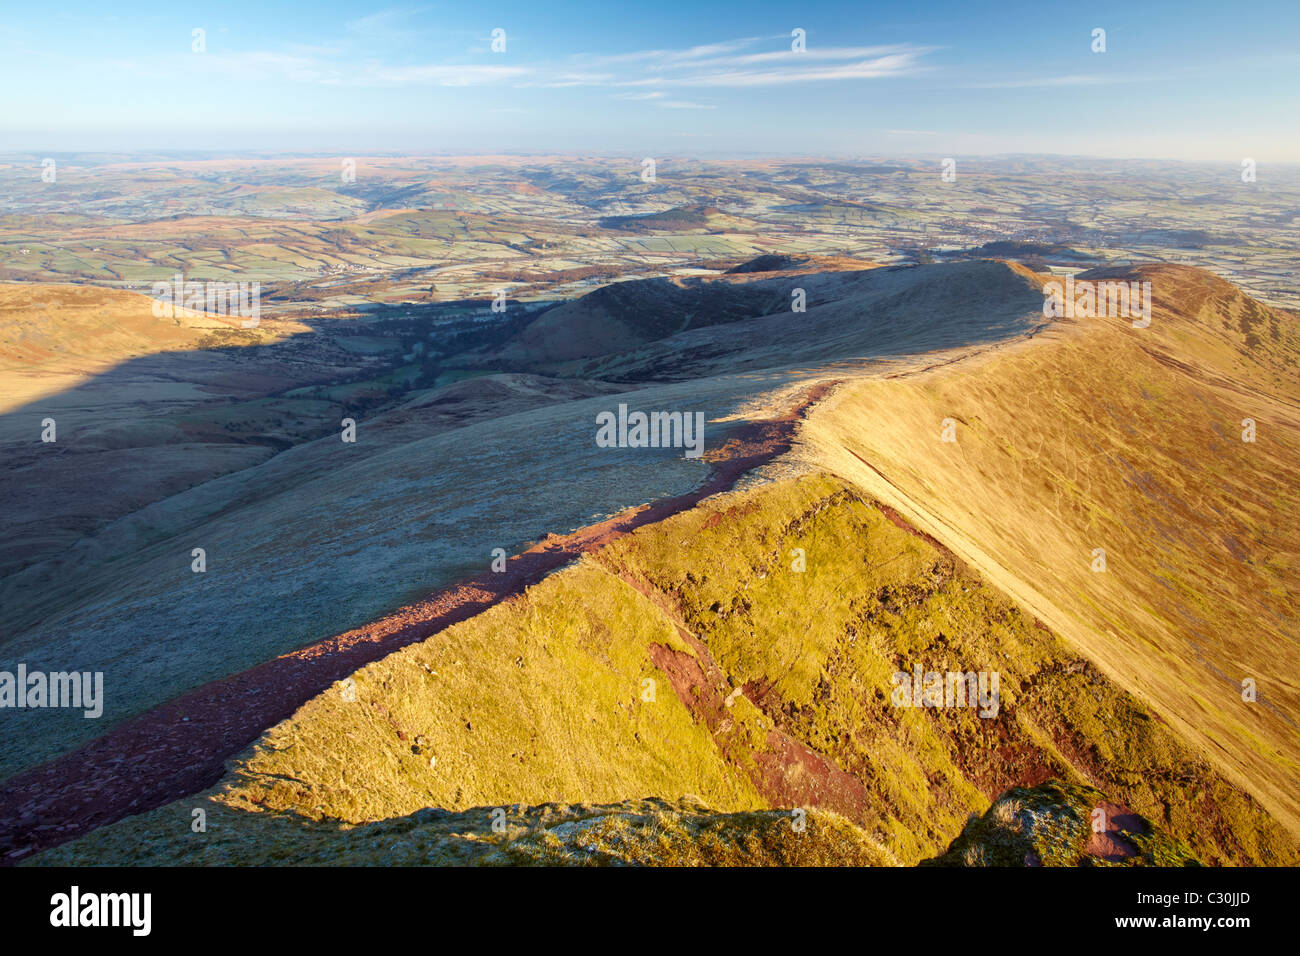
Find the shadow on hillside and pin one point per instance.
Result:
(235, 428)
(232, 402)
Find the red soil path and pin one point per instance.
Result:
(180, 747)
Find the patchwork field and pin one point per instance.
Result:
(422, 229)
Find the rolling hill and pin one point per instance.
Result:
(770, 618)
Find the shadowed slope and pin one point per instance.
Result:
(680, 328)
(330, 535)
(180, 746)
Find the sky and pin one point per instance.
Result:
(1191, 80)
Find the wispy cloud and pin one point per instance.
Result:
(567, 78)
(710, 50)
(721, 65)
(895, 64)
(682, 56)
(659, 98)
(266, 65)
(731, 63)
(792, 58)
(385, 24)
(1074, 79)
(434, 75)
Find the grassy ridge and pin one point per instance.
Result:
(535, 701)
(630, 832)
(759, 671)
(1100, 436)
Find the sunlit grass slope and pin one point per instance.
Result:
(693, 658)
(1097, 435)
(48, 331)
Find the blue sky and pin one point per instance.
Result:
(1184, 80)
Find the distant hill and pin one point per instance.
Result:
(768, 263)
(671, 328)
(1020, 250)
(1180, 238)
(688, 218)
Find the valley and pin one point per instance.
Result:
(366, 585)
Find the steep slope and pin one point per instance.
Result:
(699, 656)
(675, 329)
(1098, 435)
(332, 535)
(771, 685)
